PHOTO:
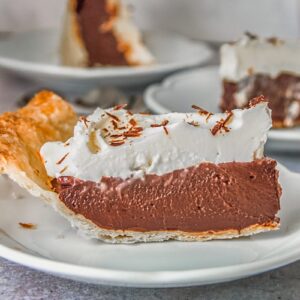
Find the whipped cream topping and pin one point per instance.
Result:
(259, 55)
(116, 143)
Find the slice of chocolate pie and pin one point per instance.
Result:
(127, 178)
(256, 66)
(101, 33)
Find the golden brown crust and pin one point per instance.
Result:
(22, 133)
(91, 230)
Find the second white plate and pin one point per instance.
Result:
(202, 87)
(35, 55)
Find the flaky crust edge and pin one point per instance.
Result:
(47, 118)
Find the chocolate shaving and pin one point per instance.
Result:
(200, 110)
(166, 130)
(116, 135)
(133, 122)
(120, 106)
(28, 225)
(84, 120)
(117, 143)
(222, 124)
(131, 133)
(63, 170)
(113, 117)
(193, 123)
(62, 159)
(115, 124)
(163, 123)
(208, 116)
(257, 100)
(137, 129)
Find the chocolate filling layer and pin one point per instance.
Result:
(282, 92)
(100, 42)
(207, 197)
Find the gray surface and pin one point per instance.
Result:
(18, 282)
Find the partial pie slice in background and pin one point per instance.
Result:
(255, 66)
(101, 33)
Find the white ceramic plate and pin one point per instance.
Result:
(202, 87)
(54, 247)
(34, 54)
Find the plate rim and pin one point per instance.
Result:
(173, 278)
(24, 66)
(148, 278)
(169, 81)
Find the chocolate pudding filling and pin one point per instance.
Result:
(94, 18)
(282, 92)
(208, 197)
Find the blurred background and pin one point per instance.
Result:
(210, 20)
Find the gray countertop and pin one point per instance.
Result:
(19, 282)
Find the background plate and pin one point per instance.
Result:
(202, 87)
(55, 247)
(34, 54)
